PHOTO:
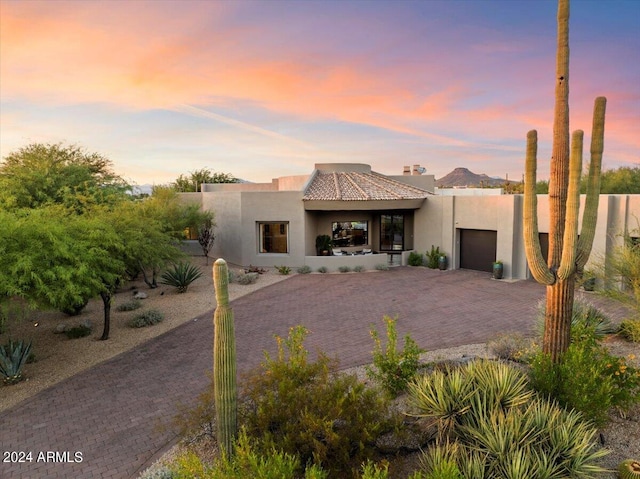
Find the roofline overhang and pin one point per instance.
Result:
(359, 205)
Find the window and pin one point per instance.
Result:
(350, 233)
(273, 237)
(191, 233)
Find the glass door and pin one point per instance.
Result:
(391, 233)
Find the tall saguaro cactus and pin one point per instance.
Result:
(568, 252)
(224, 360)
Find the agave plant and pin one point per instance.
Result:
(181, 276)
(13, 357)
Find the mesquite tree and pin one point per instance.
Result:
(224, 361)
(568, 252)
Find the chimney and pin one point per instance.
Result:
(417, 170)
(407, 170)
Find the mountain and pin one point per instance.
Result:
(464, 177)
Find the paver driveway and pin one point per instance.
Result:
(109, 413)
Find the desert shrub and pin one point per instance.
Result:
(146, 318)
(181, 276)
(492, 425)
(344, 269)
(392, 368)
(163, 472)
(415, 259)
(382, 267)
(131, 305)
(433, 256)
(587, 379)
(584, 314)
(322, 269)
(13, 356)
(310, 409)
(371, 470)
(359, 268)
(306, 269)
(283, 270)
(512, 347)
(247, 278)
(630, 329)
(79, 331)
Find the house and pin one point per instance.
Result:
(374, 218)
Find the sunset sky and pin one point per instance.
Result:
(268, 88)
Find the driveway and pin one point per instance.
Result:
(102, 423)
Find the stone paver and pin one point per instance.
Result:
(110, 413)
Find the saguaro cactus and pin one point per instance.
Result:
(224, 360)
(568, 253)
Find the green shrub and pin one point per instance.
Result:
(310, 409)
(283, 270)
(181, 276)
(393, 369)
(79, 331)
(247, 278)
(146, 318)
(382, 267)
(433, 256)
(306, 269)
(322, 269)
(13, 356)
(630, 329)
(359, 268)
(129, 305)
(493, 426)
(344, 269)
(415, 259)
(586, 315)
(587, 379)
(74, 308)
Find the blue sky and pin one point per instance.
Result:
(267, 89)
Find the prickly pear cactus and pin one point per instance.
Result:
(629, 469)
(224, 360)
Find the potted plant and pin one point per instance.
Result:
(498, 269)
(442, 262)
(323, 245)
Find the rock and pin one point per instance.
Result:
(60, 328)
(87, 324)
(140, 295)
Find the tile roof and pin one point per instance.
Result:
(355, 186)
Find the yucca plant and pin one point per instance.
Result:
(181, 276)
(13, 357)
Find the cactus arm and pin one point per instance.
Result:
(537, 264)
(224, 361)
(590, 214)
(570, 239)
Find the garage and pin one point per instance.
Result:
(478, 249)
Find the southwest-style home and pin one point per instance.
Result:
(374, 218)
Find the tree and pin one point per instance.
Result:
(623, 180)
(568, 253)
(206, 237)
(192, 182)
(43, 174)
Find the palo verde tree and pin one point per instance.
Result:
(191, 183)
(568, 251)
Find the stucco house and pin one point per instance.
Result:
(374, 218)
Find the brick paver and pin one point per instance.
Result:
(110, 413)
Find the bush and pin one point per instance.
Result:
(13, 356)
(584, 314)
(415, 259)
(382, 267)
(74, 308)
(587, 379)
(322, 269)
(433, 257)
(181, 276)
(79, 331)
(630, 329)
(247, 278)
(304, 269)
(393, 369)
(283, 270)
(492, 425)
(513, 347)
(344, 269)
(359, 268)
(147, 318)
(129, 305)
(310, 409)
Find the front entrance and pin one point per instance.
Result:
(392, 233)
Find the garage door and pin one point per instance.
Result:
(478, 249)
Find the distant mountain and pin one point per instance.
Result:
(464, 177)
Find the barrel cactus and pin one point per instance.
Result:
(629, 469)
(224, 361)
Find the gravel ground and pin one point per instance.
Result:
(58, 357)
